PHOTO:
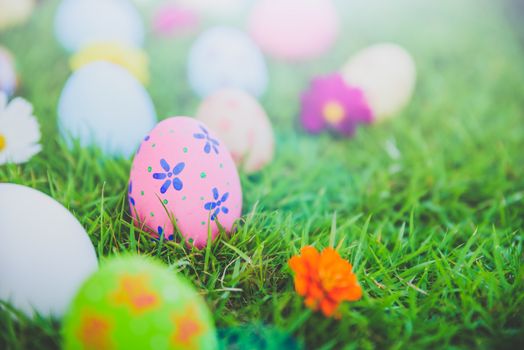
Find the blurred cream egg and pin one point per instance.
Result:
(386, 73)
(242, 124)
(15, 12)
(45, 254)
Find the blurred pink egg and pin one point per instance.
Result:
(294, 29)
(241, 122)
(172, 19)
(183, 173)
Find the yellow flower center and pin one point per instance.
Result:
(333, 112)
(3, 142)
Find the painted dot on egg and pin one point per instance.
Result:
(165, 201)
(203, 175)
(141, 193)
(185, 149)
(149, 169)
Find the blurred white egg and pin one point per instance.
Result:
(386, 73)
(82, 22)
(45, 254)
(226, 57)
(8, 76)
(102, 104)
(242, 124)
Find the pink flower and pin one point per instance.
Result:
(330, 103)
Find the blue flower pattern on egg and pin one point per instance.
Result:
(168, 174)
(140, 145)
(130, 193)
(218, 204)
(211, 143)
(160, 232)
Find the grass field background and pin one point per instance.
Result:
(429, 207)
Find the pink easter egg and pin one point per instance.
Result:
(183, 173)
(294, 29)
(241, 122)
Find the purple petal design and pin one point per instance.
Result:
(178, 168)
(165, 186)
(215, 214)
(224, 197)
(204, 130)
(215, 193)
(207, 147)
(225, 210)
(164, 165)
(199, 136)
(177, 184)
(159, 176)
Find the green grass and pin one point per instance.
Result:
(435, 234)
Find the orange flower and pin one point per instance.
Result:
(324, 279)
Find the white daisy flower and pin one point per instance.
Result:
(19, 131)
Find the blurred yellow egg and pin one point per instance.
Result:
(133, 59)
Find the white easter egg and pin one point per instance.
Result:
(102, 104)
(386, 73)
(8, 76)
(226, 57)
(82, 22)
(45, 254)
(242, 124)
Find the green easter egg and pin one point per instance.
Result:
(136, 303)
